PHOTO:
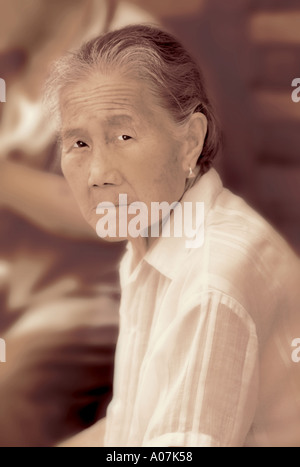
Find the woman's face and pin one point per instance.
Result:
(117, 139)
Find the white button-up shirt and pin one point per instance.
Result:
(205, 355)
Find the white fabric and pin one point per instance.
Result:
(204, 350)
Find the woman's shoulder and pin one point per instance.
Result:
(242, 237)
(242, 256)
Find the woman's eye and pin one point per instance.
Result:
(124, 137)
(80, 144)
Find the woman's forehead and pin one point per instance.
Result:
(108, 95)
(104, 90)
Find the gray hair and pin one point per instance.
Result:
(154, 56)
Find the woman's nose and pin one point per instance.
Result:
(102, 172)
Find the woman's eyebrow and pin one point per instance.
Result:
(70, 133)
(114, 120)
(111, 120)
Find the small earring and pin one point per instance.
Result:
(191, 173)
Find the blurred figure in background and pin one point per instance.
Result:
(59, 290)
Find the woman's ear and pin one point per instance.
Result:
(195, 135)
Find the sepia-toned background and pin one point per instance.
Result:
(59, 290)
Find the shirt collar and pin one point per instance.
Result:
(167, 253)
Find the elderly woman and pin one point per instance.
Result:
(204, 355)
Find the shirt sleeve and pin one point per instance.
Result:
(206, 366)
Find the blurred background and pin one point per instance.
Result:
(59, 290)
